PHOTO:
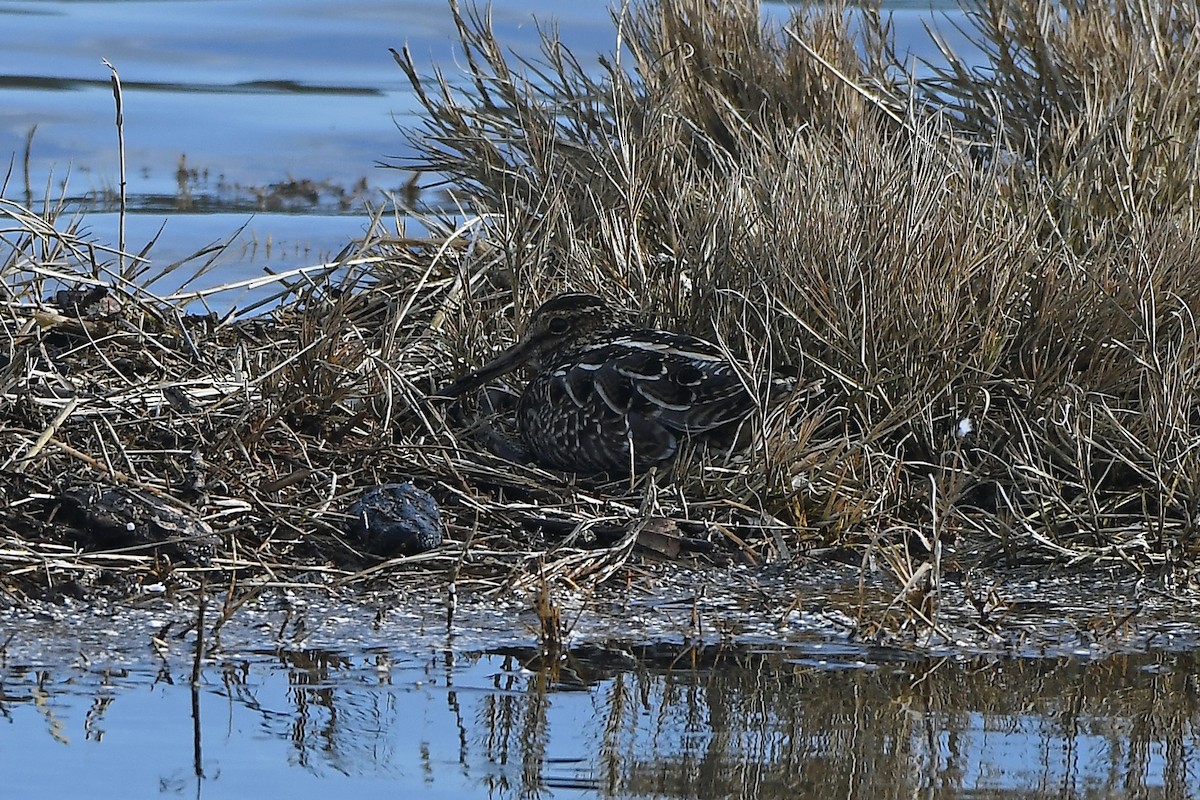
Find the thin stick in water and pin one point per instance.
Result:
(116, 85)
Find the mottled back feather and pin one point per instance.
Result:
(605, 399)
(632, 394)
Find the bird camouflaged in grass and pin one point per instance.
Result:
(607, 399)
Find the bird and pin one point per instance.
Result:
(608, 399)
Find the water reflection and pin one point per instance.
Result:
(610, 722)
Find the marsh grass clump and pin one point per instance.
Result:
(1097, 99)
(231, 424)
(992, 269)
(998, 308)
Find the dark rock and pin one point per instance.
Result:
(395, 519)
(116, 517)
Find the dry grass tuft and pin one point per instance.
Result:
(998, 302)
(1098, 100)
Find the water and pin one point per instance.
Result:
(247, 92)
(228, 104)
(107, 708)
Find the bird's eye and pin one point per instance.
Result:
(559, 325)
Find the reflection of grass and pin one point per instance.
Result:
(998, 298)
(290, 194)
(661, 721)
(198, 190)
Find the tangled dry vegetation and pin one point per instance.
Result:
(993, 269)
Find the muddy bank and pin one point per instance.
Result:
(816, 608)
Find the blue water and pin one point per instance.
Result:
(251, 91)
(313, 723)
(248, 94)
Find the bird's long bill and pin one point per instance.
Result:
(507, 361)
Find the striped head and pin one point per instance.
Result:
(561, 324)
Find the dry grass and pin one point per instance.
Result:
(1000, 306)
(943, 267)
(1099, 100)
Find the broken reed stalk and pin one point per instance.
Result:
(197, 674)
(198, 654)
(118, 99)
(25, 172)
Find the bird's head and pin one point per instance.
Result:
(561, 323)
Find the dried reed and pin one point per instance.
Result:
(1000, 311)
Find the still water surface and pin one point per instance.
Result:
(253, 108)
(608, 720)
(249, 108)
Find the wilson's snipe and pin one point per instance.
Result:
(605, 399)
